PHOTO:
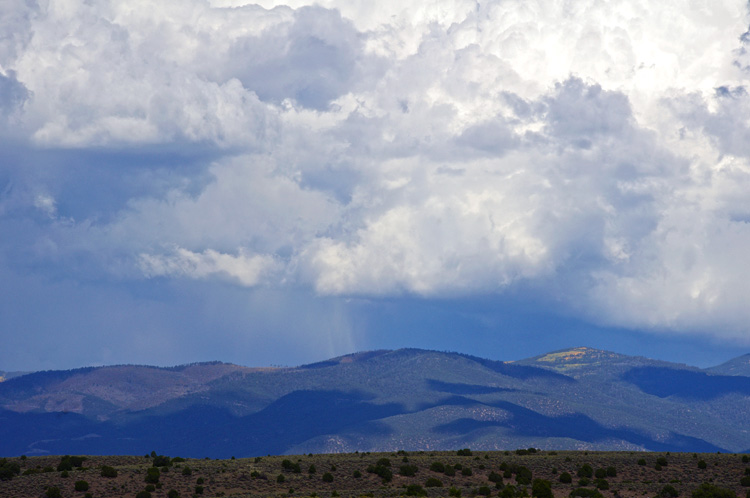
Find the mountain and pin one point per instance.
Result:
(412, 399)
(735, 366)
(9, 375)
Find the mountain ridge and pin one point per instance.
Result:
(378, 401)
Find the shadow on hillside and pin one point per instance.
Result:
(665, 382)
(527, 423)
(452, 388)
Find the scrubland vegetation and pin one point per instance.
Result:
(464, 473)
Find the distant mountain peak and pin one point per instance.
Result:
(735, 366)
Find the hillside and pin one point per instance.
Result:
(507, 474)
(378, 401)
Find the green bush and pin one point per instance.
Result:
(53, 492)
(450, 471)
(108, 471)
(483, 491)
(414, 490)
(312, 469)
(173, 493)
(702, 464)
(327, 477)
(143, 494)
(454, 492)
(357, 474)
(81, 486)
(745, 481)
(466, 471)
(600, 473)
(150, 488)
(162, 461)
(199, 481)
(186, 471)
(745, 459)
(585, 471)
(668, 491)
(602, 484)
(437, 467)
(152, 475)
(541, 488)
(611, 471)
(199, 490)
(662, 461)
(641, 461)
(566, 478)
(408, 470)
(495, 477)
(383, 462)
(464, 452)
(708, 490)
(280, 478)
(523, 476)
(586, 493)
(433, 482)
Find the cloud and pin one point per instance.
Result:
(593, 155)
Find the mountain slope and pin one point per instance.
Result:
(380, 400)
(735, 366)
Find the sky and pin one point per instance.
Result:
(277, 183)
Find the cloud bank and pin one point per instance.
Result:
(592, 154)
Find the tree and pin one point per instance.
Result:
(327, 477)
(566, 478)
(433, 482)
(585, 471)
(541, 488)
(108, 471)
(81, 486)
(152, 475)
(708, 490)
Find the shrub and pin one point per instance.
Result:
(280, 478)
(585, 471)
(143, 494)
(584, 481)
(81, 486)
(384, 462)
(199, 490)
(433, 482)
(8, 470)
(668, 491)
(602, 484)
(641, 461)
(702, 464)
(152, 475)
(523, 476)
(382, 471)
(541, 488)
(327, 477)
(173, 493)
(566, 478)
(455, 492)
(494, 477)
(586, 493)
(600, 473)
(186, 471)
(53, 492)
(162, 461)
(708, 490)
(466, 471)
(464, 452)
(414, 490)
(745, 459)
(437, 467)
(662, 461)
(483, 490)
(450, 471)
(357, 474)
(150, 488)
(745, 481)
(408, 470)
(312, 469)
(611, 471)
(108, 471)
